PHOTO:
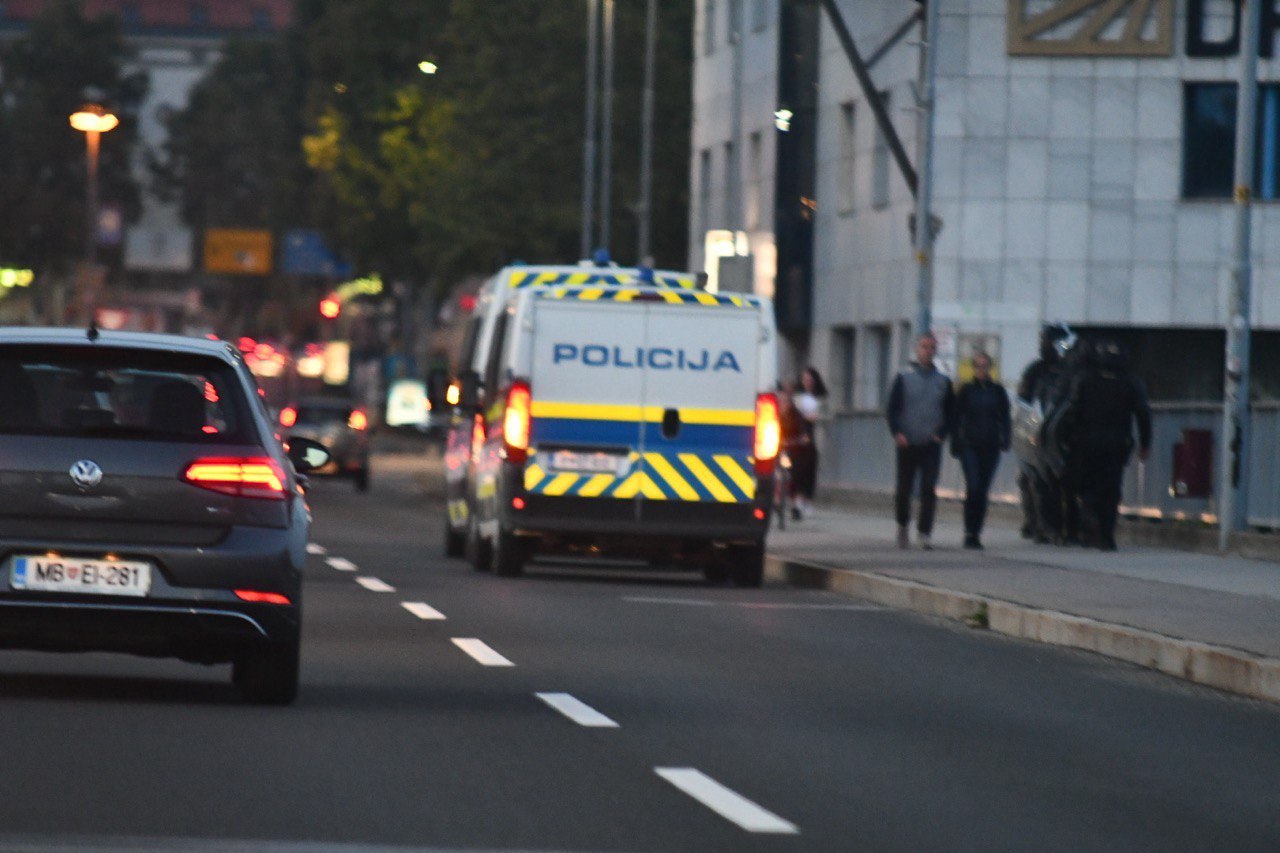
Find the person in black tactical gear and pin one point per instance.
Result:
(1039, 380)
(980, 435)
(1105, 403)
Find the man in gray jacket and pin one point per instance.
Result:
(921, 410)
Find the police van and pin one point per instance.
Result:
(615, 412)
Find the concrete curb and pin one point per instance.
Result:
(1221, 667)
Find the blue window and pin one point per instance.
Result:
(1209, 147)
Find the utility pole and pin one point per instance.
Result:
(924, 189)
(1233, 474)
(589, 132)
(606, 131)
(645, 207)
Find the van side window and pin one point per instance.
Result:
(469, 339)
(492, 370)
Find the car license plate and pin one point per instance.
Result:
(75, 574)
(590, 463)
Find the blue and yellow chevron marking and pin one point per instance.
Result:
(629, 294)
(663, 476)
(534, 278)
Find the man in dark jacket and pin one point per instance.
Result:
(920, 411)
(1105, 404)
(1041, 376)
(981, 434)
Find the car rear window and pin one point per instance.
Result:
(114, 392)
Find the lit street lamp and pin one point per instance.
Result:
(94, 120)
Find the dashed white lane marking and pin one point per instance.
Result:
(578, 711)
(314, 548)
(755, 605)
(481, 652)
(725, 802)
(422, 610)
(342, 564)
(375, 585)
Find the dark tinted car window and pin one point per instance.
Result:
(317, 415)
(120, 393)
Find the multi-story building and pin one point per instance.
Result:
(1082, 172)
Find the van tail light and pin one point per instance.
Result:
(768, 433)
(288, 416)
(515, 422)
(244, 477)
(358, 420)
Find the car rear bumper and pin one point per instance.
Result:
(607, 517)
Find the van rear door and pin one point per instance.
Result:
(701, 380)
(587, 389)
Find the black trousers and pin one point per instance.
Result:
(979, 464)
(1099, 485)
(922, 460)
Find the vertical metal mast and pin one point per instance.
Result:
(1233, 474)
(645, 207)
(924, 154)
(589, 132)
(606, 131)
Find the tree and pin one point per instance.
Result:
(63, 60)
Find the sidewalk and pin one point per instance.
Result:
(1211, 619)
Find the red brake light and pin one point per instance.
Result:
(358, 420)
(259, 597)
(477, 436)
(288, 416)
(515, 423)
(768, 433)
(246, 477)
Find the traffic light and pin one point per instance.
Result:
(330, 307)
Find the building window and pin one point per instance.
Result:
(843, 352)
(754, 180)
(844, 180)
(759, 15)
(880, 163)
(877, 366)
(704, 193)
(1208, 138)
(709, 27)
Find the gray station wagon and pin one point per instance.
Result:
(147, 505)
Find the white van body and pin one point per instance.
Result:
(642, 408)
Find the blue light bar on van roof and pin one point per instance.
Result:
(613, 278)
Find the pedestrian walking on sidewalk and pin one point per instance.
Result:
(920, 412)
(981, 434)
(804, 451)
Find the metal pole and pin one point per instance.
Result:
(606, 131)
(645, 207)
(1233, 474)
(91, 139)
(733, 192)
(589, 132)
(924, 155)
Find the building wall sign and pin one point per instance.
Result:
(1091, 27)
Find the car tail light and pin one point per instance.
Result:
(358, 420)
(245, 477)
(768, 433)
(515, 423)
(288, 416)
(259, 597)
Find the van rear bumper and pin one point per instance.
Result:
(610, 517)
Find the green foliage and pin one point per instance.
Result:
(62, 61)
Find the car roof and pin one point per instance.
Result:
(62, 336)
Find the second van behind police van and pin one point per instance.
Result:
(630, 421)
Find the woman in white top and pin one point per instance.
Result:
(804, 452)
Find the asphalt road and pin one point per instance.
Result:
(582, 708)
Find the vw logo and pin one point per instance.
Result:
(86, 474)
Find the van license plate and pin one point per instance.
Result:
(590, 463)
(74, 574)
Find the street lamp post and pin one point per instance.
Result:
(93, 120)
